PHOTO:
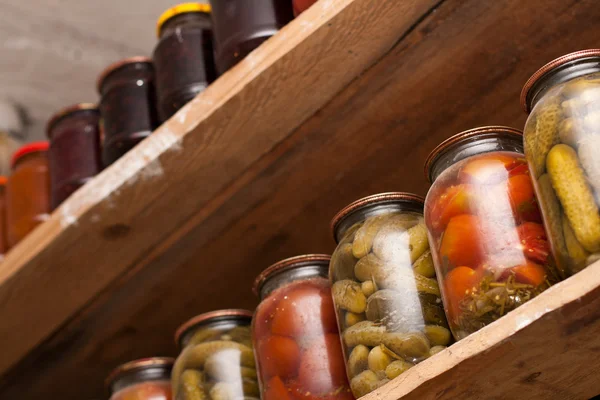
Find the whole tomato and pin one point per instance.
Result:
(279, 356)
(487, 169)
(522, 198)
(462, 242)
(322, 368)
(534, 241)
(458, 283)
(529, 273)
(455, 200)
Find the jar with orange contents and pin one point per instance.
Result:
(3, 243)
(28, 191)
(295, 333)
(488, 242)
(144, 379)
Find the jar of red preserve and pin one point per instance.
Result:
(488, 242)
(295, 332)
(144, 379)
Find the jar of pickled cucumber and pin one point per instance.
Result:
(387, 300)
(295, 333)
(562, 146)
(216, 360)
(144, 379)
(488, 242)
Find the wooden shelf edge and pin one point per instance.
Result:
(183, 171)
(547, 347)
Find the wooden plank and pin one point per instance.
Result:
(460, 67)
(181, 171)
(547, 348)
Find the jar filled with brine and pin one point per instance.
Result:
(144, 379)
(28, 191)
(295, 332)
(128, 106)
(183, 57)
(488, 242)
(74, 153)
(386, 295)
(216, 359)
(562, 146)
(242, 25)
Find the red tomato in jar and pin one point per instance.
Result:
(534, 241)
(305, 310)
(454, 201)
(462, 242)
(276, 390)
(322, 368)
(487, 169)
(279, 356)
(458, 283)
(302, 5)
(530, 273)
(522, 198)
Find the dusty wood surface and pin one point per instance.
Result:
(546, 349)
(179, 178)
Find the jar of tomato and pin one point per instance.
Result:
(385, 291)
(128, 106)
(243, 25)
(144, 379)
(183, 57)
(562, 148)
(74, 154)
(488, 242)
(28, 191)
(216, 359)
(3, 241)
(295, 332)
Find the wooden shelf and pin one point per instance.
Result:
(345, 101)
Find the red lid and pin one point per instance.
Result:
(29, 148)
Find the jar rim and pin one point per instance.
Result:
(286, 265)
(34, 147)
(67, 111)
(137, 365)
(202, 319)
(375, 199)
(118, 65)
(461, 137)
(549, 68)
(182, 8)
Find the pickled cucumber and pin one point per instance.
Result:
(364, 383)
(363, 239)
(191, 387)
(358, 360)
(392, 241)
(578, 255)
(424, 265)
(195, 357)
(575, 195)
(589, 156)
(351, 319)
(436, 349)
(371, 268)
(368, 288)
(343, 262)
(348, 296)
(437, 335)
(419, 242)
(409, 346)
(366, 333)
(396, 368)
(383, 304)
(552, 211)
(570, 131)
(538, 145)
(378, 360)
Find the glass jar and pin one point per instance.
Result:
(562, 148)
(27, 191)
(387, 299)
(295, 332)
(144, 379)
(485, 228)
(74, 153)
(3, 242)
(242, 25)
(128, 106)
(216, 359)
(183, 57)
(302, 5)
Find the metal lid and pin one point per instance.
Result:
(548, 68)
(29, 148)
(461, 138)
(119, 64)
(138, 365)
(69, 110)
(286, 265)
(369, 201)
(209, 317)
(181, 9)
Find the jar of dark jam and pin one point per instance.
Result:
(144, 379)
(242, 25)
(183, 57)
(127, 107)
(74, 154)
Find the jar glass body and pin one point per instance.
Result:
(216, 361)
(128, 109)
(488, 242)
(150, 390)
(562, 147)
(184, 61)
(74, 153)
(296, 338)
(242, 25)
(28, 196)
(387, 299)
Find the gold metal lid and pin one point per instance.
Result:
(116, 65)
(136, 365)
(69, 110)
(462, 137)
(181, 9)
(286, 265)
(549, 67)
(365, 202)
(209, 316)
